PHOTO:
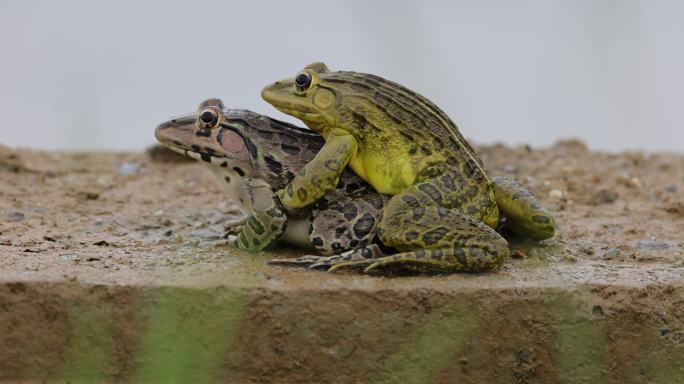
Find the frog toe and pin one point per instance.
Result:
(320, 265)
(232, 240)
(312, 262)
(232, 225)
(232, 231)
(304, 261)
(398, 262)
(354, 264)
(326, 264)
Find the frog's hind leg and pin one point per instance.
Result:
(440, 224)
(345, 230)
(346, 224)
(524, 212)
(440, 240)
(435, 261)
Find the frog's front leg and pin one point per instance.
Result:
(321, 174)
(266, 221)
(345, 225)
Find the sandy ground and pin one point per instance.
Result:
(114, 216)
(132, 221)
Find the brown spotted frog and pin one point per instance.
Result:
(254, 156)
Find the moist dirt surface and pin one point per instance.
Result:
(113, 268)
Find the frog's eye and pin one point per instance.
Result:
(208, 118)
(303, 81)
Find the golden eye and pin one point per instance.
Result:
(208, 118)
(303, 81)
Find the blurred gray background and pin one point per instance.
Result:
(79, 74)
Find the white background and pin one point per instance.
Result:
(80, 74)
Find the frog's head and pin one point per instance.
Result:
(306, 96)
(207, 136)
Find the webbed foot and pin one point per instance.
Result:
(357, 258)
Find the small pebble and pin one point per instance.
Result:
(518, 254)
(611, 253)
(570, 258)
(511, 168)
(85, 195)
(16, 216)
(556, 194)
(168, 233)
(69, 257)
(604, 196)
(651, 245)
(129, 169)
(671, 188)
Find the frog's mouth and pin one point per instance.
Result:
(203, 154)
(295, 110)
(289, 105)
(172, 134)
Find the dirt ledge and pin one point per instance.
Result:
(109, 272)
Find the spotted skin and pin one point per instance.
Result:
(444, 206)
(347, 223)
(437, 230)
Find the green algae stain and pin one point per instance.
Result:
(188, 335)
(661, 355)
(580, 343)
(434, 347)
(89, 359)
(661, 365)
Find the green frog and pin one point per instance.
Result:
(444, 205)
(254, 156)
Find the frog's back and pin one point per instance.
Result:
(392, 122)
